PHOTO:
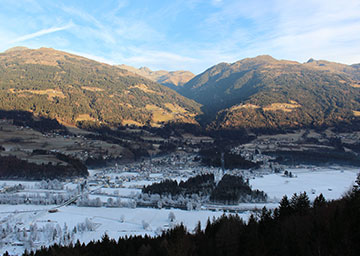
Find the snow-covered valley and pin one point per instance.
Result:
(39, 214)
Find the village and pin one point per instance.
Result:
(110, 200)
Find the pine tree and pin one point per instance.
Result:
(300, 203)
(356, 187)
(319, 201)
(197, 229)
(285, 209)
(265, 215)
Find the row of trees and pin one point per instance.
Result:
(50, 185)
(200, 184)
(85, 201)
(35, 198)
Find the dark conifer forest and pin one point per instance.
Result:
(13, 168)
(230, 189)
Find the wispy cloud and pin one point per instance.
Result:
(40, 33)
(89, 26)
(291, 30)
(320, 29)
(83, 15)
(157, 59)
(31, 6)
(92, 57)
(139, 57)
(216, 2)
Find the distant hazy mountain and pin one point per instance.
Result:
(172, 79)
(263, 92)
(74, 89)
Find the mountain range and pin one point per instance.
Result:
(73, 90)
(254, 93)
(172, 79)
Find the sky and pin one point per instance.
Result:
(185, 34)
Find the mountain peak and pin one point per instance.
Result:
(146, 69)
(265, 57)
(261, 59)
(17, 49)
(173, 79)
(310, 60)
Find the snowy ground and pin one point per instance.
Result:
(92, 222)
(332, 183)
(116, 222)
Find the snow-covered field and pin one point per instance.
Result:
(116, 222)
(72, 222)
(332, 183)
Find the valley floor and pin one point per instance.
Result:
(25, 226)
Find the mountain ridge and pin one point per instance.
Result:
(263, 92)
(75, 89)
(260, 92)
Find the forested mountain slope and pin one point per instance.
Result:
(263, 92)
(74, 89)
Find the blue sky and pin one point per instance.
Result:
(185, 34)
